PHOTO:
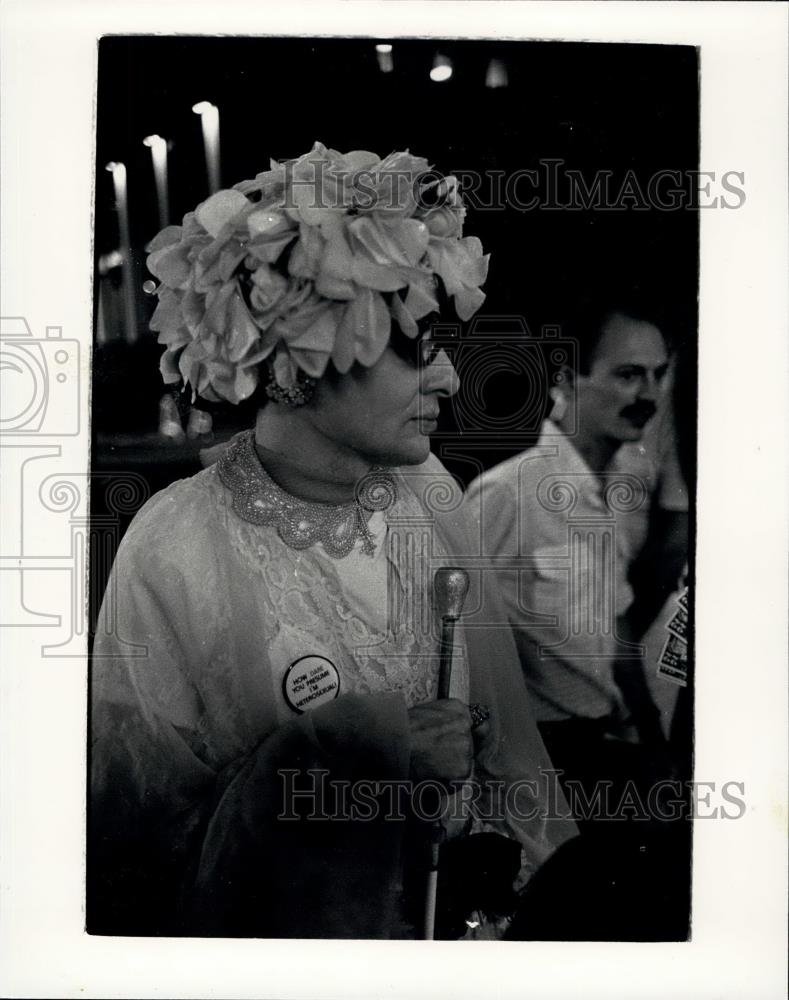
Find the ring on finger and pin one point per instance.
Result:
(479, 714)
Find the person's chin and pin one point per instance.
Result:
(413, 448)
(416, 452)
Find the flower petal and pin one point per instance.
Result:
(371, 275)
(167, 314)
(168, 366)
(229, 259)
(168, 236)
(412, 236)
(421, 300)
(377, 241)
(319, 335)
(343, 352)
(334, 276)
(285, 370)
(216, 211)
(403, 317)
(171, 265)
(193, 308)
(190, 363)
(242, 334)
(312, 363)
(216, 314)
(307, 253)
(268, 249)
(268, 222)
(361, 159)
(370, 322)
(467, 302)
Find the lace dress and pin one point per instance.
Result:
(213, 598)
(352, 599)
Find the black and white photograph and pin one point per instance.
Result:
(445, 377)
(394, 602)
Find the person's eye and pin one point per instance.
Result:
(628, 374)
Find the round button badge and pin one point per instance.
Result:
(309, 682)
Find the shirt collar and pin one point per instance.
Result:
(568, 459)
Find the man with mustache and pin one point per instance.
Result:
(566, 521)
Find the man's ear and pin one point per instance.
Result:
(562, 393)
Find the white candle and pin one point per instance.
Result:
(158, 147)
(384, 55)
(442, 69)
(496, 75)
(118, 171)
(209, 118)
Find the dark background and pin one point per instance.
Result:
(593, 106)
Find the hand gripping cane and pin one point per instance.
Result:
(450, 586)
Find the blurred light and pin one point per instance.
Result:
(209, 119)
(442, 69)
(108, 261)
(149, 287)
(118, 171)
(384, 56)
(497, 74)
(159, 148)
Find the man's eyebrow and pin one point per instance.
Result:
(635, 366)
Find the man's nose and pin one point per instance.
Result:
(649, 388)
(440, 376)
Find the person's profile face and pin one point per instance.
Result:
(386, 413)
(620, 394)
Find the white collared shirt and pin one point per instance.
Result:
(562, 540)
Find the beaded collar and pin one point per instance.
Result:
(299, 523)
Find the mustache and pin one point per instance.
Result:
(639, 411)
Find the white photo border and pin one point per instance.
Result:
(49, 61)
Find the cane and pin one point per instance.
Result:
(450, 586)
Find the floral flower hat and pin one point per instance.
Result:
(310, 261)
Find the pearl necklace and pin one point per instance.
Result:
(300, 523)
